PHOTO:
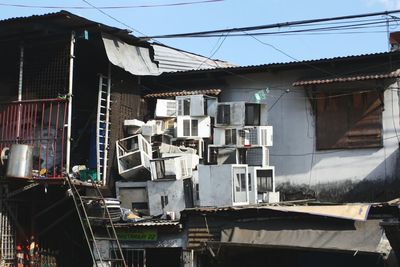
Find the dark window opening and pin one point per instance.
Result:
(252, 114)
(264, 181)
(223, 114)
(164, 201)
(186, 127)
(195, 128)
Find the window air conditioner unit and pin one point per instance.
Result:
(133, 156)
(196, 105)
(262, 185)
(241, 114)
(153, 127)
(223, 185)
(170, 168)
(193, 127)
(165, 108)
(253, 156)
(196, 144)
(244, 136)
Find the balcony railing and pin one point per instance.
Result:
(41, 124)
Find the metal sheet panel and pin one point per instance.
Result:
(133, 59)
(328, 235)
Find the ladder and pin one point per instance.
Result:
(97, 227)
(103, 126)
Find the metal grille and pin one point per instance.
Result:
(46, 68)
(133, 258)
(40, 124)
(8, 235)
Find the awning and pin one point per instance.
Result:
(353, 78)
(133, 59)
(210, 92)
(302, 234)
(357, 212)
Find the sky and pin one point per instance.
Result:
(233, 13)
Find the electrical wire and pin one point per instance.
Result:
(112, 7)
(355, 26)
(274, 25)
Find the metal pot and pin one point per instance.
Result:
(20, 161)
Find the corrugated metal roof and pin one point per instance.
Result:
(305, 63)
(360, 77)
(148, 223)
(213, 92)
(173, 60)
(284, 204)
(169, 59)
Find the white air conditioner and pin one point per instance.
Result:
(241, 114)
(262, 185)
(252, 155)
(194, 143)
(223, 185)
(170, 168)
(165, 108)
(133, 156)
(193, 127)
(196, 105)
(153, 127)
(244, 136)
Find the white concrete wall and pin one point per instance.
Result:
(294, 155)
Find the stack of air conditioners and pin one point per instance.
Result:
(238, 170)
(176, 136)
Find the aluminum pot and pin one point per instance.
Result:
(20, 161)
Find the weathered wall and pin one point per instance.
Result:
(176, 197)
(301, 170)
(215, 185)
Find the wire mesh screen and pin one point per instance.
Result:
(46, 69)
(40, 124)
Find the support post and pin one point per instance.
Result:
(20, 81)
(69, 96)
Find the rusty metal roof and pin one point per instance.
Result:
(289, 64)
(211, 92)
(353, 78)
(148, 223)
(173, 60)
(62, 20)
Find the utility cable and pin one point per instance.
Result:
(274, 25)
(113, 7)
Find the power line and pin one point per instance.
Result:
(113, 7)
(111, 17)
(274, 25)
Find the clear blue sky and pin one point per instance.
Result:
(235, 13)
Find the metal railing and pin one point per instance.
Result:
(41, 124)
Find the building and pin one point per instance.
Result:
(335, 121)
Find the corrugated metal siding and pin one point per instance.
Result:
(203, 229)
(172, 60)
(350, 121)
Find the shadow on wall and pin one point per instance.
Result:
(373, 188)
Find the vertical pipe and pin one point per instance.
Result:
(21, 76)
(55, 141)
(70, 86)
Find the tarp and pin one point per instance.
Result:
(357, 212)
(308, 234)
(133, 59)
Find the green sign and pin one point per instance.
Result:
(140, 235)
